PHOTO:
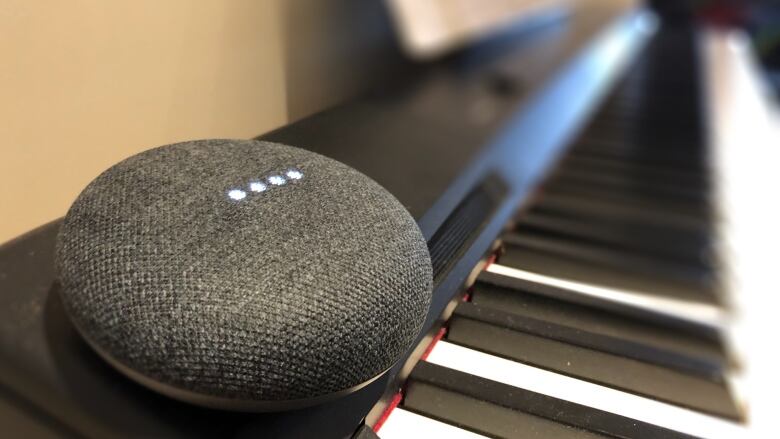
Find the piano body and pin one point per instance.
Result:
(566, 177)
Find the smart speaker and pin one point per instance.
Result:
(244, 275)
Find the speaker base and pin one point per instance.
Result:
(217, 402)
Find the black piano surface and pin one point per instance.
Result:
(462, 146)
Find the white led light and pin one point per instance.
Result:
(277, 180)
(237, 194)
(257, 186)
(294, 174)
(262, 186)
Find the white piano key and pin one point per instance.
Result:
(744, 126)
(403, 424)
(703, 314)
(582, 392)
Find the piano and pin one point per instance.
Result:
(567, 175)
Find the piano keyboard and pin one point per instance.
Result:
(602, 314)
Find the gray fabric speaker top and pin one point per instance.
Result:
(244, 271)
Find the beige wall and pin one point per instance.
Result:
(86, 83)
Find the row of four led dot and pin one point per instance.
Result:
(262, 186)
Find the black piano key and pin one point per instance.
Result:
(648, 91)
(630, 198)
(622, 171)
(637, 153)
(626, 108)
(629, 107)
(614, 116)
(483, 417)
(673, 152)
(605, 360)
(662, 242)
(572, 205)
(650, 173)
(672, 147)
(627, 171)
(636, 187)
(625, 101)
(641, 124)
(688, 352)
(520, 247)
(663, 138)
(632, 97)
(505, 411)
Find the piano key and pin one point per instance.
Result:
(633, 183)
(635, 186)
(642, 111)
(635, 88)
(682, 142)
(562, 268)
(403, 424)
(680, 159)
(698, 354)
(639, 153)
(647, 172)
(487, 407)
(705, 319)
(611, 361)
(623, 107)
(654, 241)
(694, 231)
(680, 156)
(663, 137)
(631, 108)
(638, 113)
(611, 118)
(607, 254)
(519, 247)
(626, 196)
(573, 205)
(633, 91)
(662, 134)
(691, 175)
(744, 132)
(568, 400)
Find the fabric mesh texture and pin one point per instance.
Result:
(303, 290)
